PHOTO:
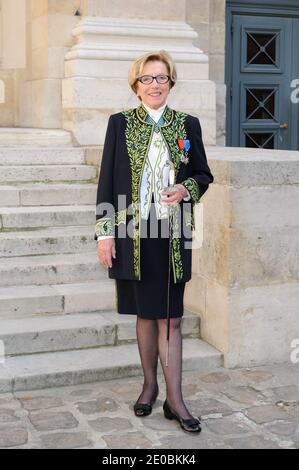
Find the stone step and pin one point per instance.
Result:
(30, 300)
(41, 156)
(38, 371)
(34, 137)
(40, 194)
(46, 173)
(76, 331)
(51, 269)
(50, 240)
(45, 216)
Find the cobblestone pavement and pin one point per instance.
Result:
(239, 408)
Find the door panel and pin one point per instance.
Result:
(261, 77)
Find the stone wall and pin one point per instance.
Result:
(33, 85)
(165, 10)
(245, 276)
(12, 57)
(96, 67)
(49, 35)
(7, 102)
(207, 18)
(35, 94)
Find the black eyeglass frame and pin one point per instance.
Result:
(154, 78)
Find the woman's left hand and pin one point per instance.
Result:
(174, 197)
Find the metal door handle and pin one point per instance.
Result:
(285, 125)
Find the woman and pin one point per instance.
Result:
(131, 201)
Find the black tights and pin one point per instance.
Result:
(151, 337)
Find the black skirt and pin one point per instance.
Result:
(147, 298)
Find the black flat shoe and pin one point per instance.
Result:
(145, 409)
(189, 425)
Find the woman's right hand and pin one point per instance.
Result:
(106, 249)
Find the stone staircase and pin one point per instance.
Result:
(58, 323)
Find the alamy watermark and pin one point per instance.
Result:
(2, 352)
(295, 93)
(295, 353)
(183, 224)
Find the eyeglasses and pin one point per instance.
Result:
(148, 79)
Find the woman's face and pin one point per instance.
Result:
(155, 94)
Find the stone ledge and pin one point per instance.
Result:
(33, 137)
(253, 167)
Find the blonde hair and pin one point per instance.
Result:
(138, 65)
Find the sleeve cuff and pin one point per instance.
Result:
(193, 189)
(105, 227)
(188, 196)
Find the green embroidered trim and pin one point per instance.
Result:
(176, 248)
(168, 115)
(189, 218)
(120, 217)
(138, 138)
(176, 221)
(171, 135)
(104, 226)
(193, 189)
(177, 260)
(147, 202)
(141, 112)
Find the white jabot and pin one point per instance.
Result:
(155, 114)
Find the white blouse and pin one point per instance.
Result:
(151, 183)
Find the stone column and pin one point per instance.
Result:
(96, 67)
(245, 281)
(12, 32)
(217, 63)
(12, 57)
(50, 24)
(207, 18)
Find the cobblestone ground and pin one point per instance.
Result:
(239, 408)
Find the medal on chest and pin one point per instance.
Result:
(184, 145)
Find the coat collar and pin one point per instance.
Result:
(167, 115)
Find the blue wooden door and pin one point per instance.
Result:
(262, 113)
